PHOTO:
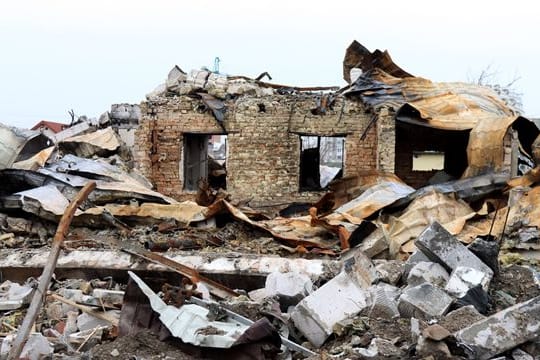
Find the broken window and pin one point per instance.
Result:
(428, 160)
(217, 161)
(321, 161)
(205, 159)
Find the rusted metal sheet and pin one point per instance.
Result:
(100, 142)
(36, 161)
(357, 56)
(446, 106)
(373, 199)
(485, 151)
(297, 231)
(18, 144)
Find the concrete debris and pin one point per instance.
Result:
(340, 298)
(412, 260)
(486, 250)
(502, 331)
(390, 271)
(289, 284)
(274, 226)
(428, 272)
(519, 354)
(463, 279)
(424, 301)
(381, 348)
(440, 246)
(14, 296)
(383, 299)
(36, 348)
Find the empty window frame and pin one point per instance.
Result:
(321, 161)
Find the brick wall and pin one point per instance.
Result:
(263, 142)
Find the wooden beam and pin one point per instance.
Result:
(45, 279)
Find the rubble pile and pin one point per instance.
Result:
(96, 264)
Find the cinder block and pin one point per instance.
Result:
(429, 272)
(340, 298)
(502, 331)
(440, 246)
(424, 301)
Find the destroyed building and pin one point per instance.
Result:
(276, 137)
(377, 264)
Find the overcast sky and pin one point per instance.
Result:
(70, 54)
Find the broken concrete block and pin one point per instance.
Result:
(14, 296)
(461, 318)
(257, 295)
(502, 331)
(289, 283)
(87, 338)
(37, 347)
(375, 243)
(338, 299)
(414, 259)
(440, 246)
(115, 297)
(465, 278)
(424, 301)
(86, 321)
(363, 268)
(381, 348)
(429, 272)
(383, 299)
(390, 271)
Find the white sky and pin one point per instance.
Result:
(62, 54)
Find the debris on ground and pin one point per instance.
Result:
(369, 266)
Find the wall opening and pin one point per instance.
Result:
(205, 158)
(321, 161)
(217, 161)
(426, 155)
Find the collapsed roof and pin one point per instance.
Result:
(447, 106)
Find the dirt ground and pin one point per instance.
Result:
(513, 284)
(144, 345)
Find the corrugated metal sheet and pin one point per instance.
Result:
(447, 106)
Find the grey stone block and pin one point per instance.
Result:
(424, 301)
(340, 298)
(429, 272)
(384, 301)
(440, 246)
(414, 259)
(502, 331)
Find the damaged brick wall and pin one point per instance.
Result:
(159, 141)
(263, 142)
